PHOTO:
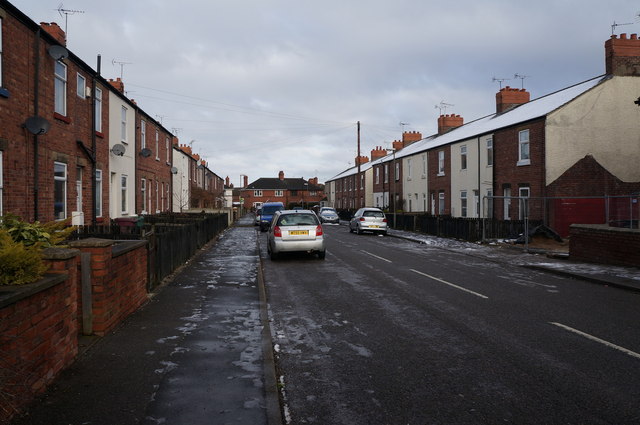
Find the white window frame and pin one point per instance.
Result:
(143, 194)
(158, 146)
(166, 144)
(396, 174)
(524, 148)
(143, 134)
(441, 203)
(463, 157)
(463, 204)
(524, 192)
(81, 86)
(424, 167)
(79, 188)
(257, 193)
(98, 203)
(441, 159)
(489, 203)
(60, 88)
(124, 201)
(123, 124)
(377, 175)
(409, 170)
(386, 173)
(490, 152)
(506, 206)
(98, 110)
(279, 193)
(63, 198)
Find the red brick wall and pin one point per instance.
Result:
(439, 183)
(507, 172)
(38, 335)
(151, 169)
(604, 244)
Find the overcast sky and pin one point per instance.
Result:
(259, 86)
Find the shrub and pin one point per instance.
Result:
(43, 235)
(19, 263)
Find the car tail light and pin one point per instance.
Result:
(319, 230)
(384, 220)
(277, 232)
(361, 218)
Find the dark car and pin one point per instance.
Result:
(268, 210)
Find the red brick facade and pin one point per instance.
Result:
(439, 182)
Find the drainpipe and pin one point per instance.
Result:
(36, 105)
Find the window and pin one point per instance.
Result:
(490, 152)
(377, 175)
(441, 163)
(463, 203)
(476, 203)
(279, 193)
(1, 170)
(386, 173)
(313, 193)
(143, 193)
(396, 173)
(463, 158)
(143, 134)
(166, 145)
(424, 166)
(59, 190)
(98, 193)
(98, 110)
(123, 194)
(158, 153)
(123, 124)
(82, 86)
(361, 181)
(441, 208)
(408, 168)
(523, 210)
(157, 196)
(506, 193)
(257, 193)
(523, 149)
(78, 188)
(489, 202)
(60, 88)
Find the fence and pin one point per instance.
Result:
(173, 238)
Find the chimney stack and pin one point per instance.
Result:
(118, 84)
(246, 181)
(226, 181)
(55, 31)
(378, 153)
(449, 122)
(409, 137)
(622, 55)
(281, 175)
(508, 98)
(361, 160)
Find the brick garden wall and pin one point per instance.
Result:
(606, 245)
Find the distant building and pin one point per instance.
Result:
(291, 192)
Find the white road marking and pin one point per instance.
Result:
(596, 339)
(450, 284)
(375, 256)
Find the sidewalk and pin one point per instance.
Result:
(621, 277)
(192, 355)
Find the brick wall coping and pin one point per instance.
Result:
(91, 243)
(605, 228)
(11, 294)
(59, 253)
(122, 247)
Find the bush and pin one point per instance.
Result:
(19, 263)
(42, 235)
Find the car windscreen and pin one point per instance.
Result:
(373, 214)
(270, 209)
(298, 220)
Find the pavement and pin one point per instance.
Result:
(200, 351)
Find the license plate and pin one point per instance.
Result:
(299, 232)
(374, 225)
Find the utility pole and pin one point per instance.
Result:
(357, 203)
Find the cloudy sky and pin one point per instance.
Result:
(259, 86)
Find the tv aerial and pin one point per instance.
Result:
(122, 64)
(66, 12)
(443, 106)
(521, 77)
(500, 80)
(615, 24)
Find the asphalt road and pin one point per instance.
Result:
(386, 331)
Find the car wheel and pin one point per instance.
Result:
(359, 230)
(383, 233)
(350, 229)
(322, 254)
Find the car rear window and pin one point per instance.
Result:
(373, 214)
(271, 209)
(298, 220)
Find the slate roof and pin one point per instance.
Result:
(275, 183)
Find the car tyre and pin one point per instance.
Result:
(359, 230)
(322, 254)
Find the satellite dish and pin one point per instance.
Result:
(174, 170)
(37, 125)
(118, 149)
(146, 152)
(58, 52)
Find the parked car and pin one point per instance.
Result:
(268, 209)
(257, 220)
(295, 231)
(368, 220)
(328, 215)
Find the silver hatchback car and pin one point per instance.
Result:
(295, 231)
(369, 220)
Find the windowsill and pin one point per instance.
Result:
(100, 134)
(440, 175)
(523, 162)
(62, 118)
